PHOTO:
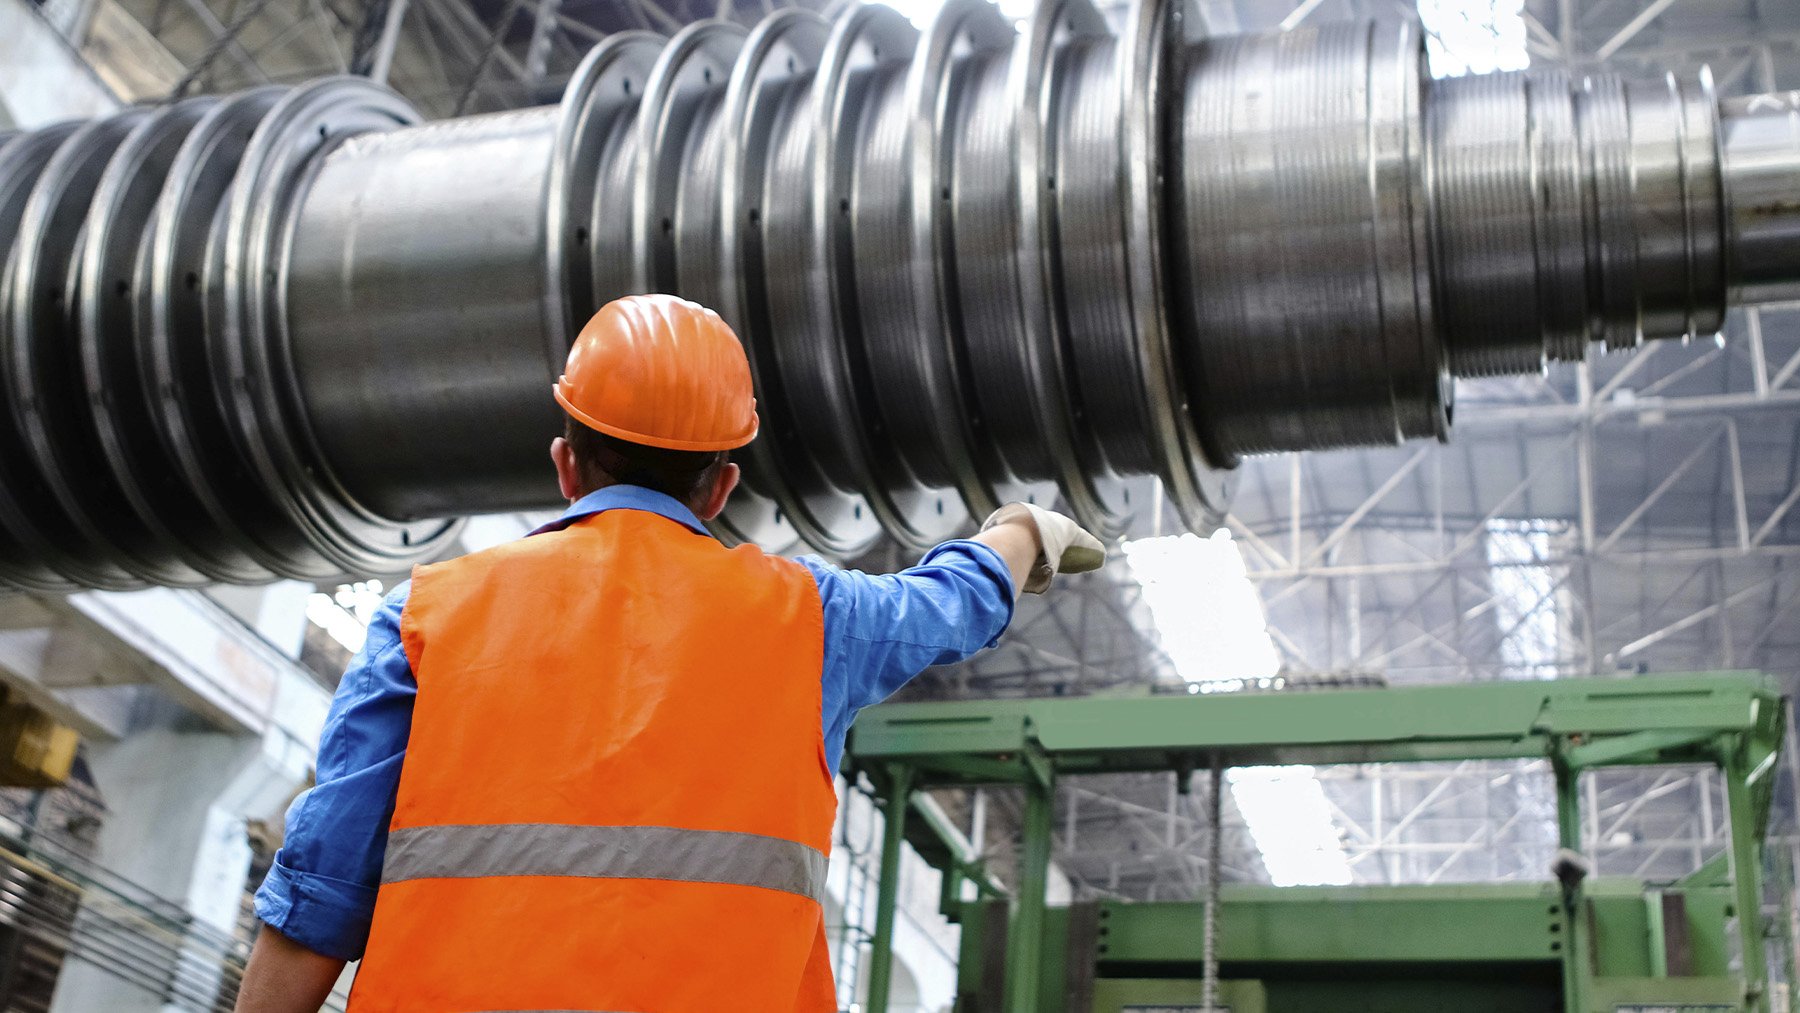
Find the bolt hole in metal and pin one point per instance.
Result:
(1168, 253)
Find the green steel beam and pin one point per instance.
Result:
(1476, 923)
(1654, 719)
(1732, 719)
(1576, 950)
(1657, 938)
(944, 847)
(1746, 877)
(1715, 871)
(1025, 935)
(1461, 939)
(896, 793)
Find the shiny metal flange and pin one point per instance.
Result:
(697, 126)
(1091, 296)
(1300, 160)
(1757, 134)
(266, 406)
(830, 519)
(1200, 491)
(179, 267)
(1096, 496)
(53, 473)
(139, 492)
(778, 57)
(675, 216)
(598, 95)
(859, 200)
(28, 555)
(820, 432)
(1603, 122)
(983, 401)
(679, 98)
(1562, 233)
(1677, 168)
(1419, 382)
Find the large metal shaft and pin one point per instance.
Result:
(290, 332)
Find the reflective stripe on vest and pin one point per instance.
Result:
(551, 849)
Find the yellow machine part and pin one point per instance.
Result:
(36, 750)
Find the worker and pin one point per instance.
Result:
(592, 769)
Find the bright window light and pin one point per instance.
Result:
(1207, 614)
(920, 12)
(345, 613)
(1525, 587)
(1210, 621)
(1290, 821)
(1474, 36)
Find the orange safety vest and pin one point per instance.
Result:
(615, 795)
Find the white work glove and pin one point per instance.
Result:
(1067, 547)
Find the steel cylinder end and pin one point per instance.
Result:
(1760, 136)
(268, 410)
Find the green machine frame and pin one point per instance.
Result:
(1574, 945)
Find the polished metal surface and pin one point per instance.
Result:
(1303, 205)
(291, 332)
(1762, 184)
(1569, 211)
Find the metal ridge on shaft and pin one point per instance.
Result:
(289, 333)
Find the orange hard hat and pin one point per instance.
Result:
(663, 372)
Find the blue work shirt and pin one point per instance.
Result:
(880, 631)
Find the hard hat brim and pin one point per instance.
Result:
(648, 440)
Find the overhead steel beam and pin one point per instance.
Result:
(233, 48)
(381, 64)
(543, 38)
(1637, 24)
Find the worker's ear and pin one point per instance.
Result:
(568, 473)
(722, 487)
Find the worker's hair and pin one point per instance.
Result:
(606, 460)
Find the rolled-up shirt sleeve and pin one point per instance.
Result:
(883, 630)
(320, 892)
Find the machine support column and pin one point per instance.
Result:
(1568, 828)
(887, 895)
(1657, 936)
(1025, 939)
(1746, 880)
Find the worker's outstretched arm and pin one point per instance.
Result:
(285, 977)
(881, 630)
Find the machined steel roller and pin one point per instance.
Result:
(296, 332)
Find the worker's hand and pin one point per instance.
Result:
(1065, 546)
